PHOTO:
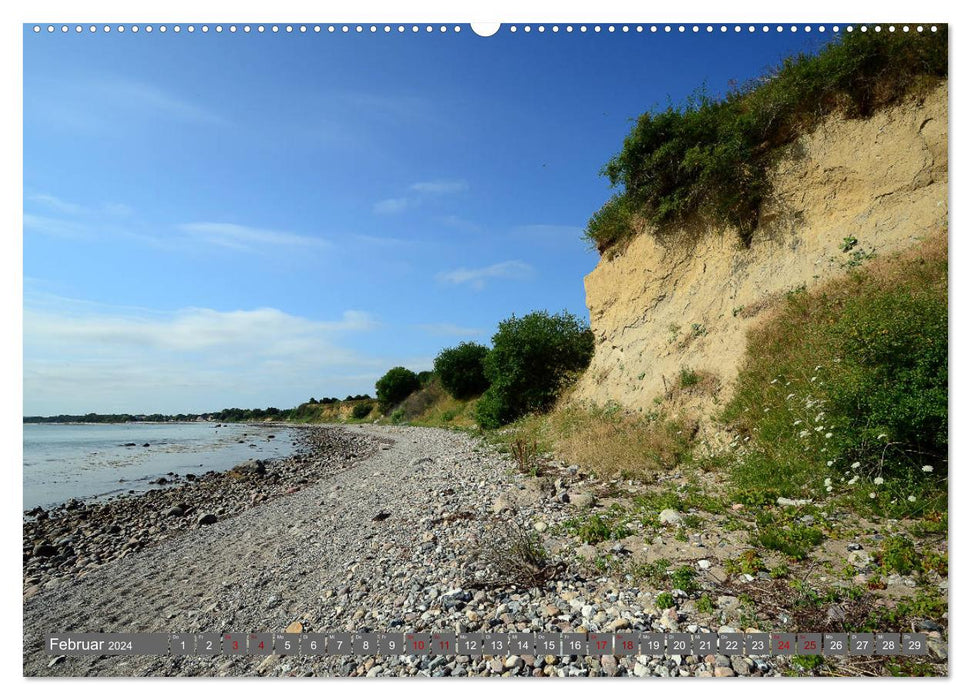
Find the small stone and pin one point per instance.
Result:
(45, 550)
(618, 624)
(724, 672)
(207, 519)
(582, 499)
(295, 627)
(742, 666)
(669, 516)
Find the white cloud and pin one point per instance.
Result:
(56, 203)
(477, 277)
(133, 93)
(450, 329)
(423, 192)
(440, 187)
(392, 205)
(246, 237)
(60, 228)
(80, 357)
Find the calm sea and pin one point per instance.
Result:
(92, 461)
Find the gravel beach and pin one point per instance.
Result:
(371, 529)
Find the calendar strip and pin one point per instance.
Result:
(488, 644)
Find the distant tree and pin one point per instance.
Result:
(462, 370)
(532, 358)
(395, 386)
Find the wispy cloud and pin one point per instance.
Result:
(477, 277)
(247, 238)
(392, 205)
(131, 93)
(80, 357)
(64, 207)
(55, 203)
(59, 228)
(423, 191)
(440, 187)
(450, 330)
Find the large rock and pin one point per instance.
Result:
(207, 519)
(582, 499)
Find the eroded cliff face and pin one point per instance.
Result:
(686, 300)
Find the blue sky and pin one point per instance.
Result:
(216, 220)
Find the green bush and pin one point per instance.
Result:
(395, 386)
(462, 371)
(362, 410)
(850, 382)
(531, 360)
(711, 157)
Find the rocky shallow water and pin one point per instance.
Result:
(372, 529)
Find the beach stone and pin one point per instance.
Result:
(742, 665)
(669, 516)
(582, 499)
(176, 512)
(724, 672)
(207, 519)
(45, 550)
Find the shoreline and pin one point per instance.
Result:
(76, 537)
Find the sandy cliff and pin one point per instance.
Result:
(665, 304)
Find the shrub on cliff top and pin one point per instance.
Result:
(711, 157)
(395, 386)
(462, 371)
(531, 360)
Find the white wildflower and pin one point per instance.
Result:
(855, 465)
(853, 480)
(830, 463)
(798, 422)
(820, 428)
(817, 368)
(911, 498)
(789, 396)
(873, 495)
(927, 468)
(881, 436)
(828, 436)
(829, 489)
(773, 381)
(878, 481)
(827, 481)
(803, 433)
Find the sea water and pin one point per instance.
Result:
(91, 461)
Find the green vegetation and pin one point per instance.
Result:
(898, 554)
(395, 386)
(532, 359)
(461, 370)
(362, 410)
(598, 527)
(665, 601)
(795, 540)
(685, 579)
(711, 157)
(849, 382)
